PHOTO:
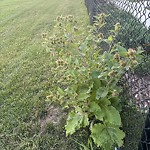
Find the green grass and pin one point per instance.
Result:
(25, 72)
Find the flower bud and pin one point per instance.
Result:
(49, 97)
(44, 35)
(134, 62)
(117, 57)
(101, 18)
(122, 63)
(131, 51)
(115, 93)
(58, 18)
(68, 77)
(101, 36)
(111, 73)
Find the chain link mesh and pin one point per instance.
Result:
(134, 17)
(136, 102)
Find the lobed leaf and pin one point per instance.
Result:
(112, 115)
(101, 92)
(107, 136)
(96, 110)
(75, 121)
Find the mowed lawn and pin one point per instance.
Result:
(25, 71)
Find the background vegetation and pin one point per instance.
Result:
(25, 73)
(25, 76)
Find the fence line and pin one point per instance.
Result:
(134, 17)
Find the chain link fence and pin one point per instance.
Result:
(134, 17)
(136, 102)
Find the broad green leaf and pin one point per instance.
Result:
(100, 135)
(95, 74)
(112, 115)
(121, 50)
(83, 89)
(115, 102)
(94, 107)
(83, 92)
(73, 122)
(96, 110)
(83, 96)
(104, 102)
(101, 93)
(107, 136)
(119, 135)
(85, 120)
(97, 84)
(76, 121)
(107, 56)
(108, 59)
